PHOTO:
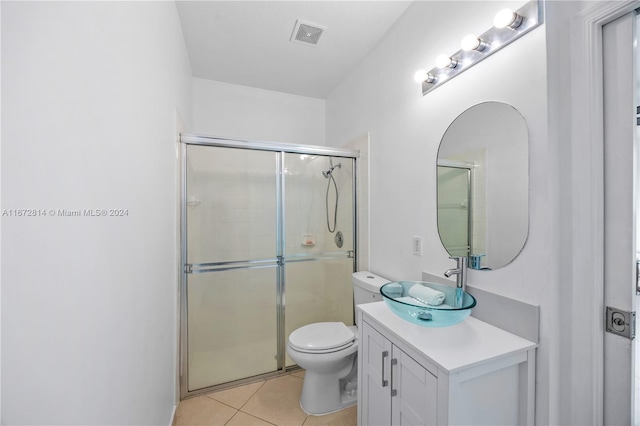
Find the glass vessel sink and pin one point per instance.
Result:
(401, 298)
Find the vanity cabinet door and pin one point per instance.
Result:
(396, 390)
(414, 401)
(375, 378)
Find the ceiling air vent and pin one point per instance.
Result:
(307, 33)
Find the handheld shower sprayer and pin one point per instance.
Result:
(329, 172)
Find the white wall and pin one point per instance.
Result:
(229, 110)
(405, 129)
(90, 97)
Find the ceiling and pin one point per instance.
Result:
(248, 42)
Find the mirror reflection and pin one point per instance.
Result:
(483, 185)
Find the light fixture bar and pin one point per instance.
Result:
(491, 41)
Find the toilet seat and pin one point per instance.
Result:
(322, 337)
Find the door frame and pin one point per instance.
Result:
(619, 204)
(587, 155)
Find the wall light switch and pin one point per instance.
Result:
(417, 245)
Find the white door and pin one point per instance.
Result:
(619, 213)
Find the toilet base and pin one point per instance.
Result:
(330, 379)
(317, 401)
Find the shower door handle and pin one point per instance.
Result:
(385, 383)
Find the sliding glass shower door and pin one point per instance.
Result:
(319, 235)
(268, 246)
(232, 264)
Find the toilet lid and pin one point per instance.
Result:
(321, 336)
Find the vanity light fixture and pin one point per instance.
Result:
(508, 26)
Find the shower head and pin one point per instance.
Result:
(329, 172)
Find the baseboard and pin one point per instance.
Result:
(173, 416)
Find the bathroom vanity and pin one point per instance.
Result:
(471, 373)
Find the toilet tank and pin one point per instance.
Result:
(366, 287)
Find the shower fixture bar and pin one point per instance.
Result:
(230, 268)
(235, 262)
(187, 138)
(321, 256)
(198, 268)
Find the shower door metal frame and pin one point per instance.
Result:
(468, 167)
(278, 262)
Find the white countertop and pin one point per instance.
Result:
(451, 348)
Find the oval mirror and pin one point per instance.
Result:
(483, 185)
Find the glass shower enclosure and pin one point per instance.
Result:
(268, 245)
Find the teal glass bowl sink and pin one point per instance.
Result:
(400, 296)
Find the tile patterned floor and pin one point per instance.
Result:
(269, 402)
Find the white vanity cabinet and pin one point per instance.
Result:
(397, 389)
(471, 373)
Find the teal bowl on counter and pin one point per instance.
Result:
(399, 297)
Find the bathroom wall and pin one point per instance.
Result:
(229, 110)
(405, 129)
(91, 94)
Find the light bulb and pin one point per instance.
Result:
(423, 76)
(445, 61)
(420, 76)
(507, 18)
(472, 42)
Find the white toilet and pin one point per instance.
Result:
(328, 352)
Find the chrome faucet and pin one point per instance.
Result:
(460, 271)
